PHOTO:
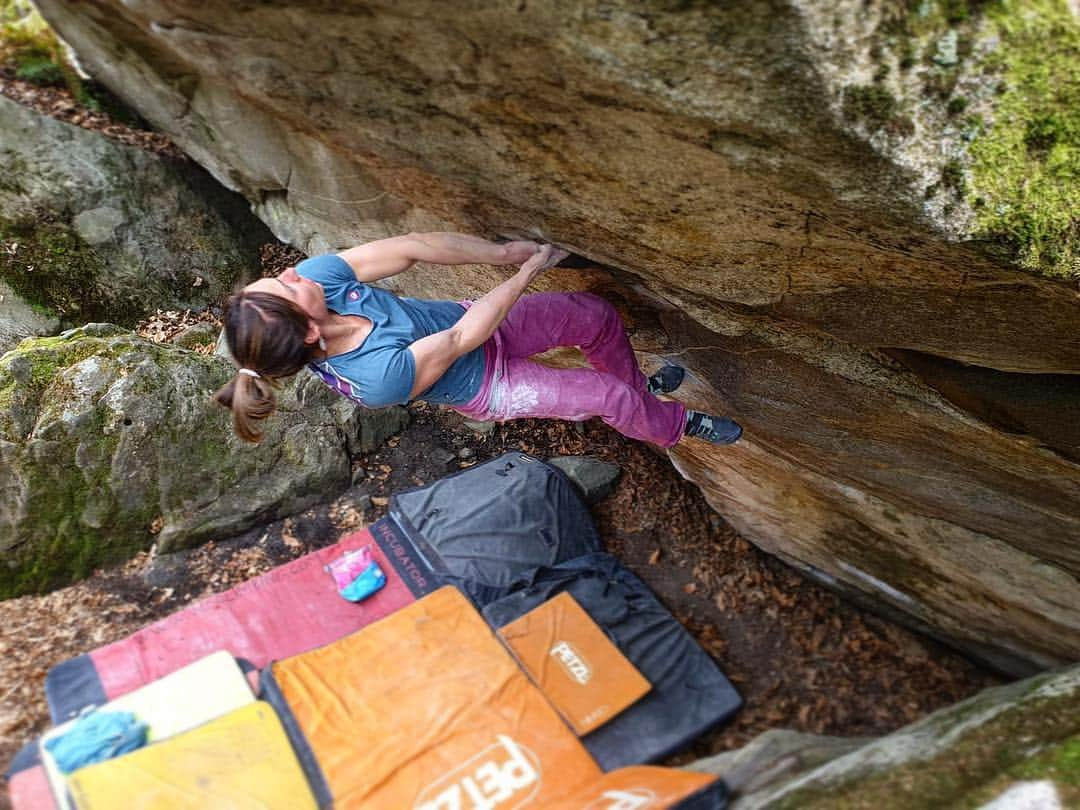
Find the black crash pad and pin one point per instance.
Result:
(488, 529)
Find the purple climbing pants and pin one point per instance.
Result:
(613, 389)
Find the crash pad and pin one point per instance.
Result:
(292, 608)
(689, 693)
(485, 529)
(27, 782)
(240, 760)
(577, 667)
(425, 709)
(187, 698)
(488, 528)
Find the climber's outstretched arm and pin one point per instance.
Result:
(388, 257)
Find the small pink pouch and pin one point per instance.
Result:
(350, 565)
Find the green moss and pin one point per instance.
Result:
(39, 69)
(64, 548)
(1059, 763)
(956, 11)
(28, 44)
(7, 395)
(952, 177)
(908, 56)
(49, 265)
(919, 18)
(1026, 164)
(957, 105)
(45, 357)
(1062, 763)
(61, 547)
(57, 545)
(940, 82)
(869, 103)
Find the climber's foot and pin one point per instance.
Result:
(666, 379)
(715, 429)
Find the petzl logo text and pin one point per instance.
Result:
(504, 776)
(572, 661)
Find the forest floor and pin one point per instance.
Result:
(801, 657)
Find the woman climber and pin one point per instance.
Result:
(379, 349)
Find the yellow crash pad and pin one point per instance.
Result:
(189, 697)
(240, 760)
(425, 709)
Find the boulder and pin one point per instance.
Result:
(781, 197)
(774, 758)
(109, 443)
(20, 319)
(93, 229)
(197, 335)
(997, 749)
(594, 478)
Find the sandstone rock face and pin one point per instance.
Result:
(890, 380)
(109, 442)
(93, 230)
(996, 749)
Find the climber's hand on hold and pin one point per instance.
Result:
(548, 256)
(520, 250)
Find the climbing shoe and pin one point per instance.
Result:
(666, 380)
(715, 429)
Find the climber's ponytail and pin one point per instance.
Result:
(250, 400)
(265, 334)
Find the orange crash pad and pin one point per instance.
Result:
(425, 709)
(574, 663)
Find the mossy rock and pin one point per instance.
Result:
(109, 442)
(1012, 166)
(962, 756)
(96, 230)
(49, 265)
(20, 319)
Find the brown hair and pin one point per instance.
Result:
(265, 334)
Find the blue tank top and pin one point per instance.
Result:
(381, 371)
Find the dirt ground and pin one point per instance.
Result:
(801, 657)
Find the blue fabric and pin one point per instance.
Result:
(381, 371)
(96, 737)
(370, 580)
